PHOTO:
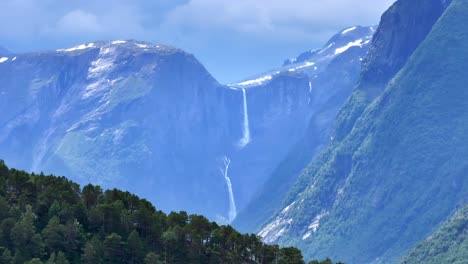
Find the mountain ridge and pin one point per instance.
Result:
(350, 193)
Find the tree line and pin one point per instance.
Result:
(48, 219)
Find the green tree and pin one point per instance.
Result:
(61, 258)
(152, 258)
(91, 195)
(135, 248)
(24, 229)
(34, 261)
(53, 235)
(113, 249)
(6, 257)
(290, 255)
(90, 254)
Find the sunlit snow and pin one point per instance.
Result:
(80, 47)
(256, 81)
(348, 30)
(358, 43)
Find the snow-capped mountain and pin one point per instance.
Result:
(396, 166)
(330, 74)
(151, 119)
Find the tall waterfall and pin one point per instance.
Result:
(232, 202)
(246, 130)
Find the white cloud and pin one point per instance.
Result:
(78, 22)
(273, 16)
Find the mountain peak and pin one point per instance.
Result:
(128, 44)
(339, 43)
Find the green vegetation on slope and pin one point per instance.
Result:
(449, 244)
(50, 219)
(402, 169)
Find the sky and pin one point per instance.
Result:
(234, 39)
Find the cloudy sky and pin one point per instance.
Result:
(233, 38)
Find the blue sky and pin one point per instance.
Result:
(234, 39)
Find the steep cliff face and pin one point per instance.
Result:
(328, 75)
(95, 110)
(377, 190)
(402, 28)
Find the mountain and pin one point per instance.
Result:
(449, 244)
(393, 171)
(333, 72)
(47, 218)
(150, 119)
(103, 112)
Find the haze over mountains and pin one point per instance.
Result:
(355, 151)
(152, 120)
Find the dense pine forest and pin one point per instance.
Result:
(47, 219)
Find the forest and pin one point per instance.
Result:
(48, 219)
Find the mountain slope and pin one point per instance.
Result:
(150, 119)
(332, 73)
(369, 197)
(84, 112)
(449, 244)
(400, 32)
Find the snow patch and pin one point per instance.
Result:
(287, 208)
(314, 225)
(98, 69)
(258, 81)
(3, 59)
(13, 59)
(358, 43)
(272, 232)
(348, 30)
(119, 42)
(305, 65)
(143, 46)
(80, 47)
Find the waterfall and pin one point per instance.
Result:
(232, 202)
(246, 130)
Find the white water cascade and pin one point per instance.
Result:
(232, 202)
(246, 130)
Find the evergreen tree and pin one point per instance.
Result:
(53, 235)
(152, 258)
(91, 226)
(135, 249)
(6, 257)
(113, 249)
(34, 261)
(90, 255)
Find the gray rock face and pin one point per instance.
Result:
(400, 32)
(150, 119)
(395, 172)
(332, 73)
